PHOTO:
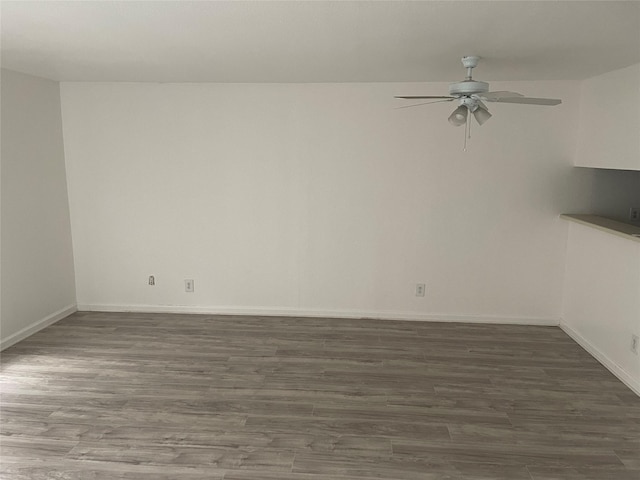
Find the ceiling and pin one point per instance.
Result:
(317, 41)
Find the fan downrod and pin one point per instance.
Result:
(470, 62)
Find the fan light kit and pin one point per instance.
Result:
(471, 94)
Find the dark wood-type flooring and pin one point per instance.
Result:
(148, 396)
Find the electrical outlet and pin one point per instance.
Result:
(635, 344)
(420, 289)
(634, 214)
(188, 286)
(152, 280)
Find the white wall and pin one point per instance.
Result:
(317, 199)
(602, 285)
(609, 120)
(37, 261)
(602, 298)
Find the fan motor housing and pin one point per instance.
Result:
(468, 87)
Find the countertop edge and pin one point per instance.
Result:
(605, 224)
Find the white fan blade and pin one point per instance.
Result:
(528, 100)
(494, 96)
(426, 103)
(423, 97)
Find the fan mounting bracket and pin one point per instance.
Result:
(470, 61)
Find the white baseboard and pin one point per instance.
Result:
(37, 326)
(294, 312)
(610, 365)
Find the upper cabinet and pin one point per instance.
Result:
(609, 120)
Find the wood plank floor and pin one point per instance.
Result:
(155, 396)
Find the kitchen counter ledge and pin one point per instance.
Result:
(605, 224)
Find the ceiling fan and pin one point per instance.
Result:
(472, 93)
